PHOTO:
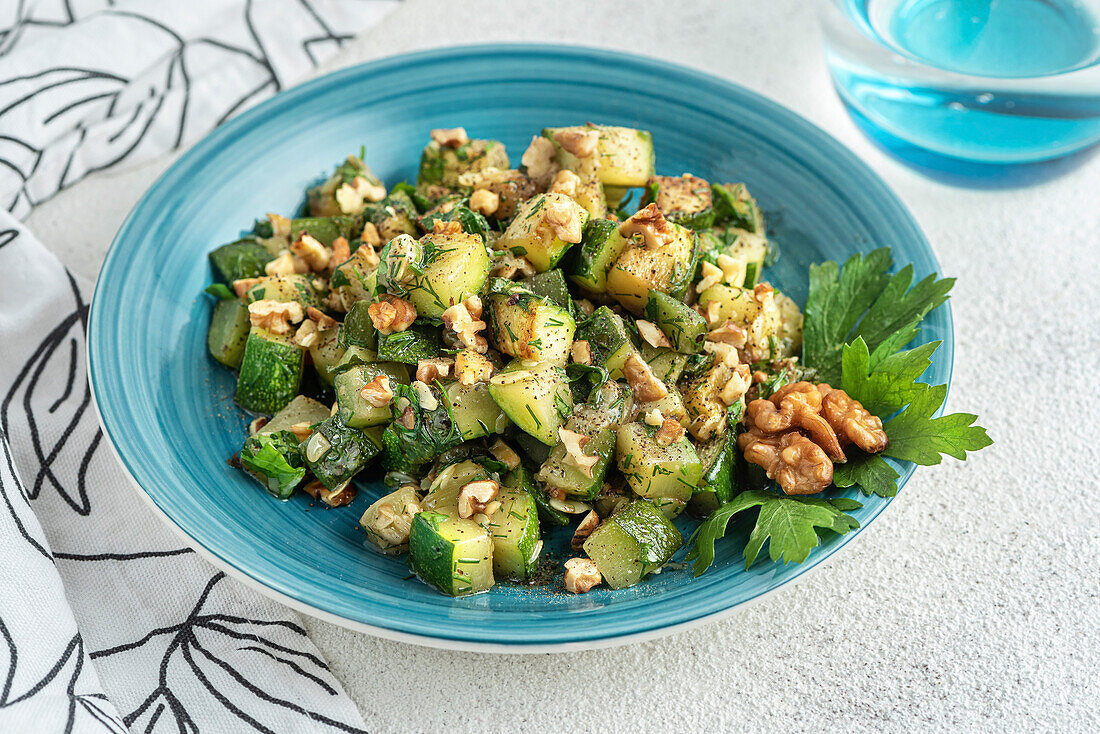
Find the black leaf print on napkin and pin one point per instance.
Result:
(198, 646)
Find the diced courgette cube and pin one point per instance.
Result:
(287, 288)
(684, 326)
(355, 410)
(475, 412)
(608, 339)
(228, 333)
(733, 205)
(530, 327)
(536, 397)
(559, 472)
(514, 530)
(666, 475)
(641, 268)
(419, 341)
(529, 234)
(456, 267)
(452, 554)
(633, 542)
(683, 199)
(600, 247)
(244, 258)
(336, 452)
(300, 410)
(718, 482)
(271, 371)
(358, 328)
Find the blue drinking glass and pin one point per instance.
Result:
(994, 81)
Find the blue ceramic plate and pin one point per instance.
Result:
(167, 407)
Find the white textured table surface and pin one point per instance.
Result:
(971, 604)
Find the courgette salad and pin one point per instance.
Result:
(519, 352)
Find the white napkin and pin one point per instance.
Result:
(107, 621)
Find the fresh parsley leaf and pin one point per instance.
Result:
(891, 383)
(870, 472)
(899, 306)
(918, 437)
(788, 524)
(835, 303)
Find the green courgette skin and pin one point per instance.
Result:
(325, 229)
(684, 326)
(520, 478)
(228, 333)
(719, 482)
(734, 206)
(432, 432)
(244, 258)
(358, 329)
(605, 333)
(274, 460)
(551, 284)
(271, 372)
(351, 449)
(419, 341)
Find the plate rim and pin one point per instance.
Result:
(455, 53)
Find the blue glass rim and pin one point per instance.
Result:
(392, 620)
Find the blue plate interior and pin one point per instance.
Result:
(168, 409)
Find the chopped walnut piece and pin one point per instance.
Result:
(733, 270)
(737, 385)
(724, 353)
(428, 400)
(587, 526)
(712, 313)
(504, 453)
(712, 275)
(581, 352)
(581, 143)
(407, 419)
(275, 316)
(430, 370)
(312, 252)
(642, 381)
(307, 334)
(341, 251)
(370, 236)
(337, 497)
(280, 225)
(302, 430)
(563, 221)
(450, 137)
(377, 392)
(474, 497)
(797, 405)
(650, 223)
(852, 422)
(485, 202)
(669, 433)
(471, 367)
(729, 333)
(286, 264)
(256, 424)
(581, 575)
(440, 226)
(391, 314)
(242, 286)
(652, 334)
(574, 450)
(323, 320)
(565, 182)
(464, 319)
(509, 265)
(761, 291)
(538, 159)
(798, 464)
(654, 418)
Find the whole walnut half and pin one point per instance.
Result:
(851, 421)
(798, 464)
(796, 405)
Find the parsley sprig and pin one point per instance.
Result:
(858, 321)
